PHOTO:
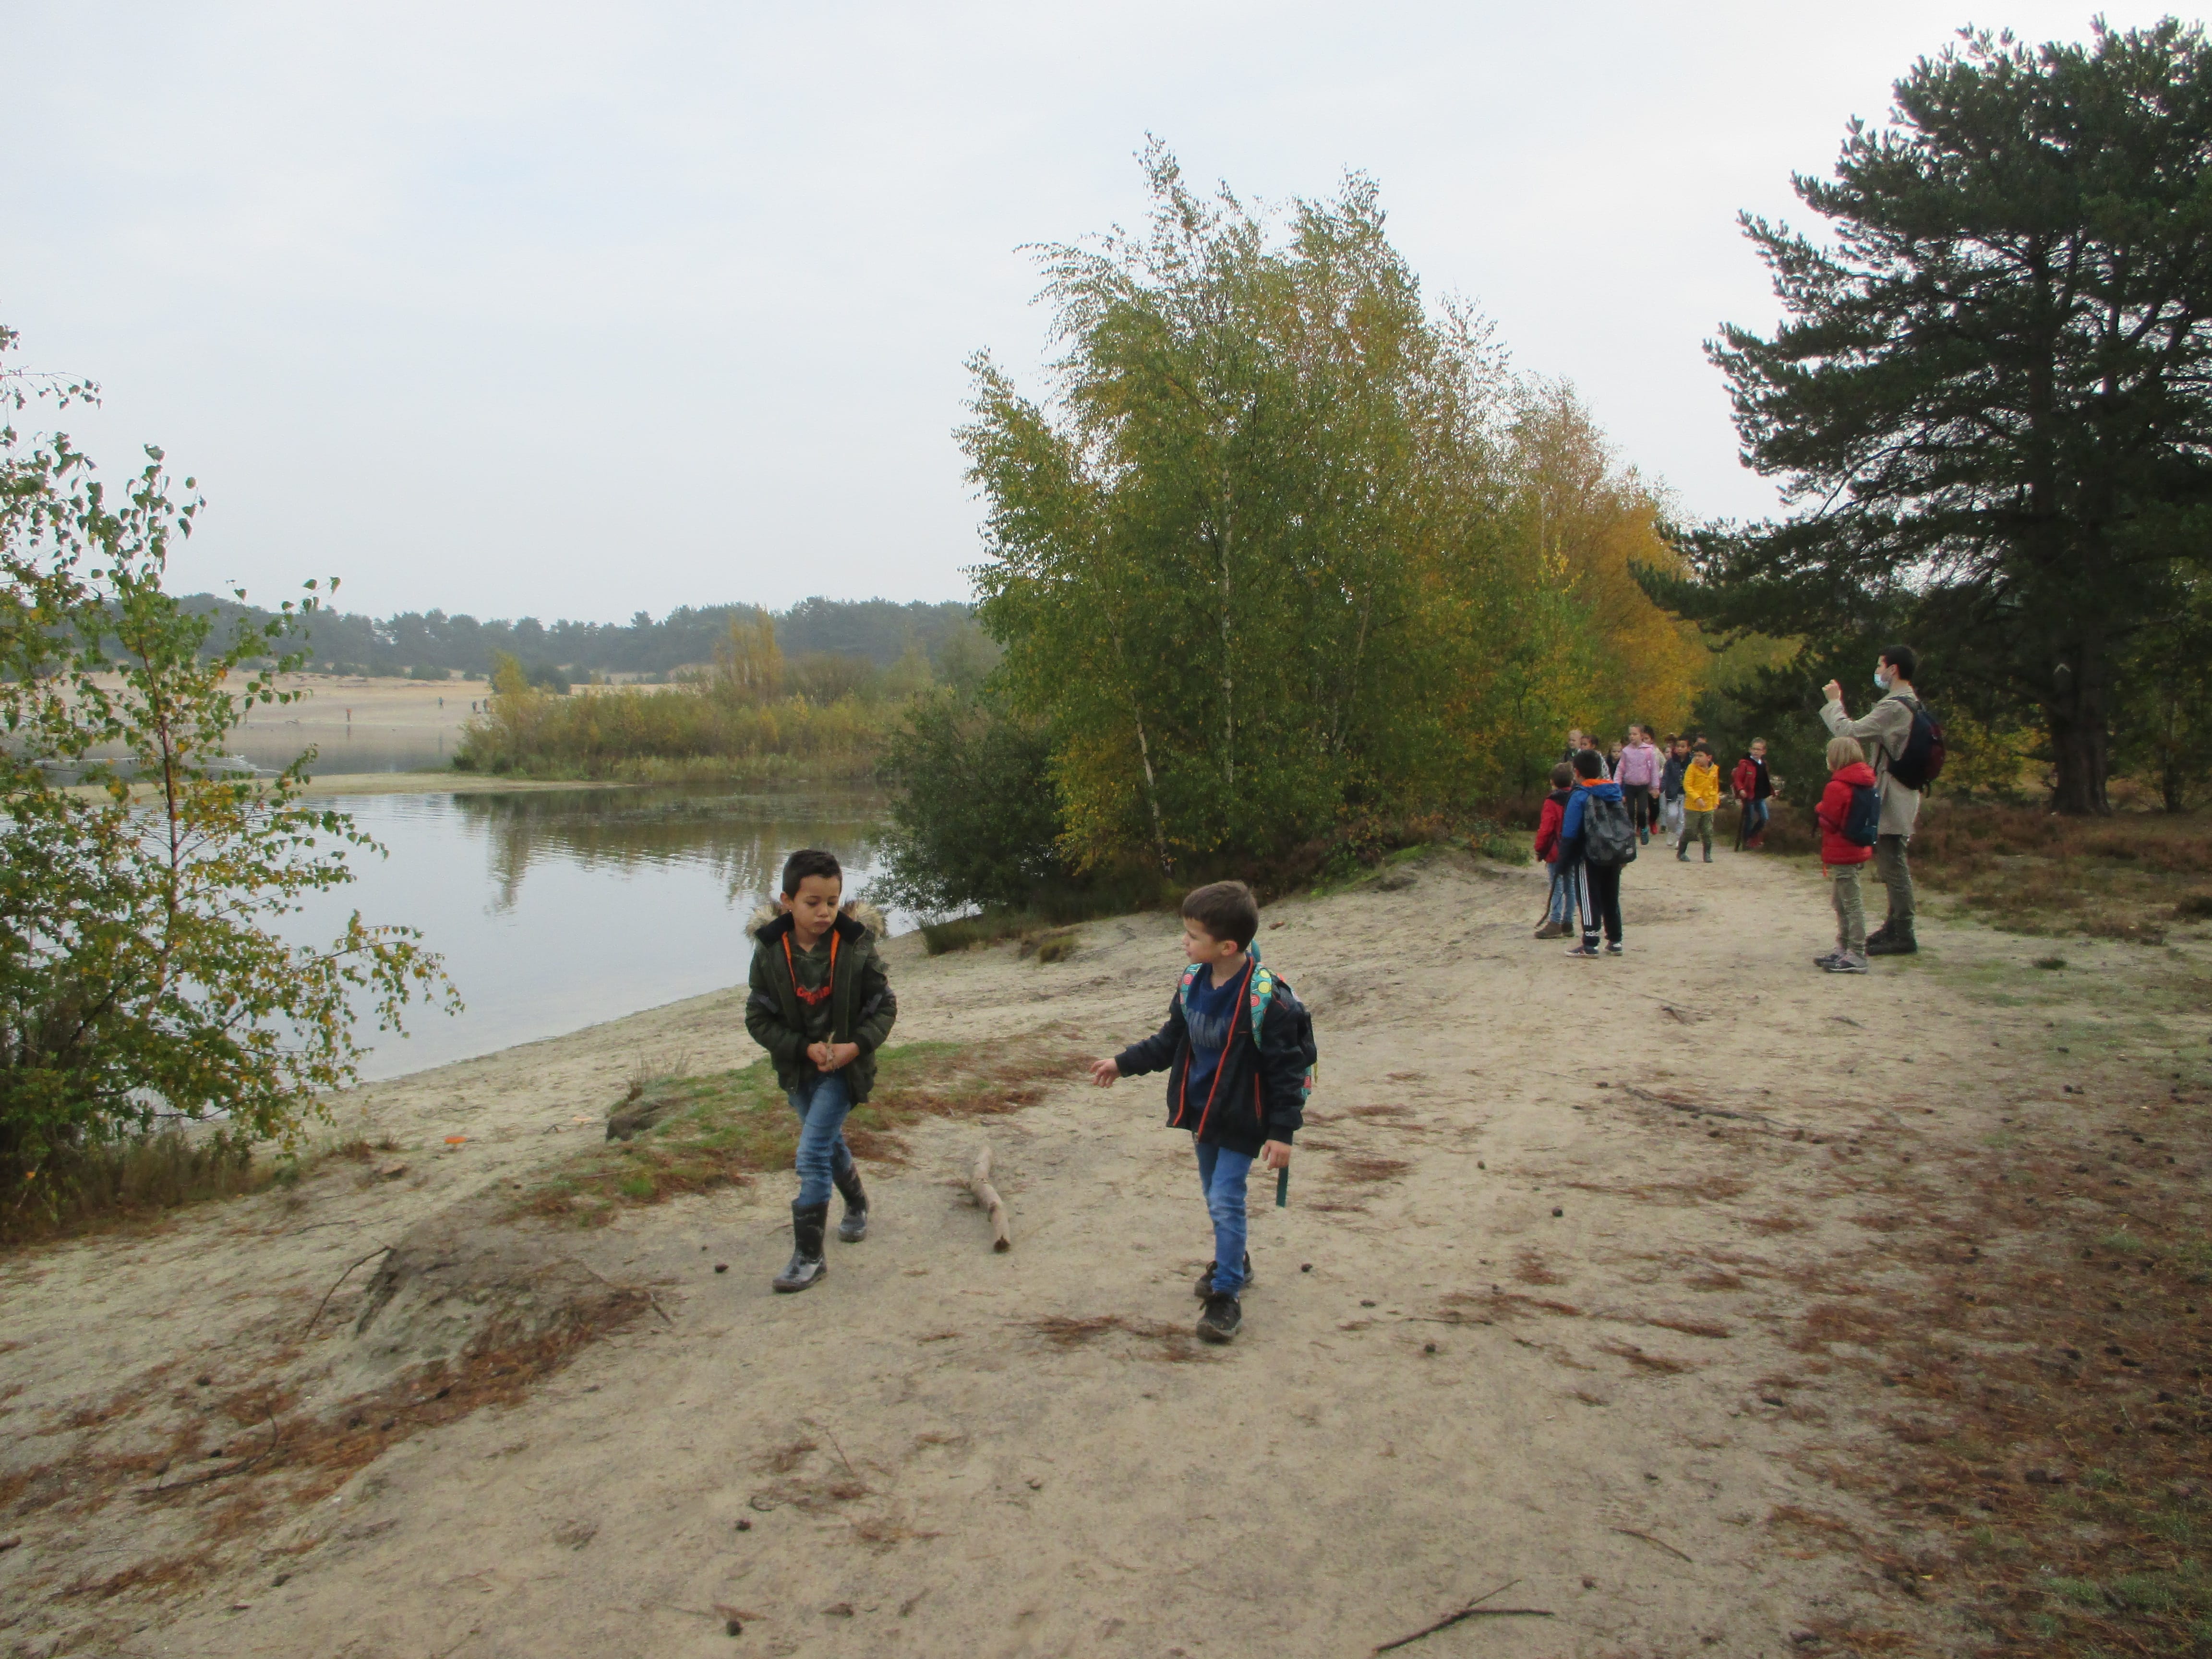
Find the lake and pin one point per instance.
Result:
(555, 909)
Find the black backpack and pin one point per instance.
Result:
(1608, 837)
(1863, 820)
(1922, 763)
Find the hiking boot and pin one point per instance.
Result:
(1844, 962)
(1876, 938)
(1220, 1322)
(1204, 1287)
(1892, 941)
(1582, 950)
(855, 1226)
(806, 1269)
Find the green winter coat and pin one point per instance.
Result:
(861, 1005)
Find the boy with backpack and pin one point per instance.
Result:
(1701, 798)
(1905, 743)
(1562, 903)
(1597, 838)
(1850, 815)
(1670, 786)
(821, 1004)
(1238, 1050)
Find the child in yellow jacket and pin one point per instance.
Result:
(1701, 798)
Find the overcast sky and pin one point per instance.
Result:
(579, 310)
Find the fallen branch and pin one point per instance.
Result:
(986, 1197)
(1631, 1532)
(380, 1250)
(1473, 1609)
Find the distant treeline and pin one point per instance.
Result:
(426, 643)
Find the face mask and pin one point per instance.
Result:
(1879, 683)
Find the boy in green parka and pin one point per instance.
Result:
(821, 1004)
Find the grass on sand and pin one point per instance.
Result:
(721, 1129)
(2131, 875)
(145, 1177)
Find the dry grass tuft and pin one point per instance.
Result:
(1704, 1328)
(1507, 1304)
(1772, 1225)
(1358, 1168)
(1530, 1269)
(786, 1458)
(1711, 1189)
(1172, 1343)
(1649, 1362)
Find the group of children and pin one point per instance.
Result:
(820, 1002)
(1676, 793)
(1684, 790)
(1237, 1047)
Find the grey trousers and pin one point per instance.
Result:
(1889, 864)
(1850, 909)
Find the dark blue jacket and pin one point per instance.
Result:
(1571, 826)
(1258, 1091)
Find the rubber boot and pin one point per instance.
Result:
(806, 1269)
(855, 1227)
(1682, 853)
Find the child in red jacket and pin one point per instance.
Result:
(1562, 904)
(1841, 856)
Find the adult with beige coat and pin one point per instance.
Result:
(1883, 734)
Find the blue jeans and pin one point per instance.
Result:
(1564, 902)
(1221, 1176)
(821, 1101)
(1755, 814)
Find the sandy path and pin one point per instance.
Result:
(1467, 1389)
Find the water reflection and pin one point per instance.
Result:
(742, 838)
(557, 909)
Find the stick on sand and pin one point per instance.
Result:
(987, 1195)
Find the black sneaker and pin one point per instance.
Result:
(1218, 1323)
(1203, 1287)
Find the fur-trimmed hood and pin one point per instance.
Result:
(853, 913)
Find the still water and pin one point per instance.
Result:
(556, 909)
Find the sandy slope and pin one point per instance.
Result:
(1467, 1389)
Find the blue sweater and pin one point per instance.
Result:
(1571, 825)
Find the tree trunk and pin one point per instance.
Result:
(2080, 740)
